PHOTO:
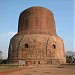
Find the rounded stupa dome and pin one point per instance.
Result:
(36, 20)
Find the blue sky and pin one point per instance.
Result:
(63, 11)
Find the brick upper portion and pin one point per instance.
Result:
(36, 20)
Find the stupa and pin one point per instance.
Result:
(36, 41)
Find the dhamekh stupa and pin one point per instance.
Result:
(36, 41)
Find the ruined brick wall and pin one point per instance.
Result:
(36, 39)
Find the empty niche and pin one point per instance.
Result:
(54, 46)
(26, 45)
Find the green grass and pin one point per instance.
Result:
(7, 68)
(68, 65)
(28, 74)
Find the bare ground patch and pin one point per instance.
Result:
(46, 70)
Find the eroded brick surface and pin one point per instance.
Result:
(36, 41)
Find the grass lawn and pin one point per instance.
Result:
(7, 68)
(69, 65)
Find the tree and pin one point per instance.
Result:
(1, 54)
(70, 57)
(1, 57)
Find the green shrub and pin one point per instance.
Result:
(4, 61)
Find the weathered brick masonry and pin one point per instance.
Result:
(36, 41)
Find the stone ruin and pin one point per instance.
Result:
(36, 41)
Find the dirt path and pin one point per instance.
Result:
(45, 70)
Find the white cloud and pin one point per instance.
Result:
(11, 33)
(7, 34)
(4, 42)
